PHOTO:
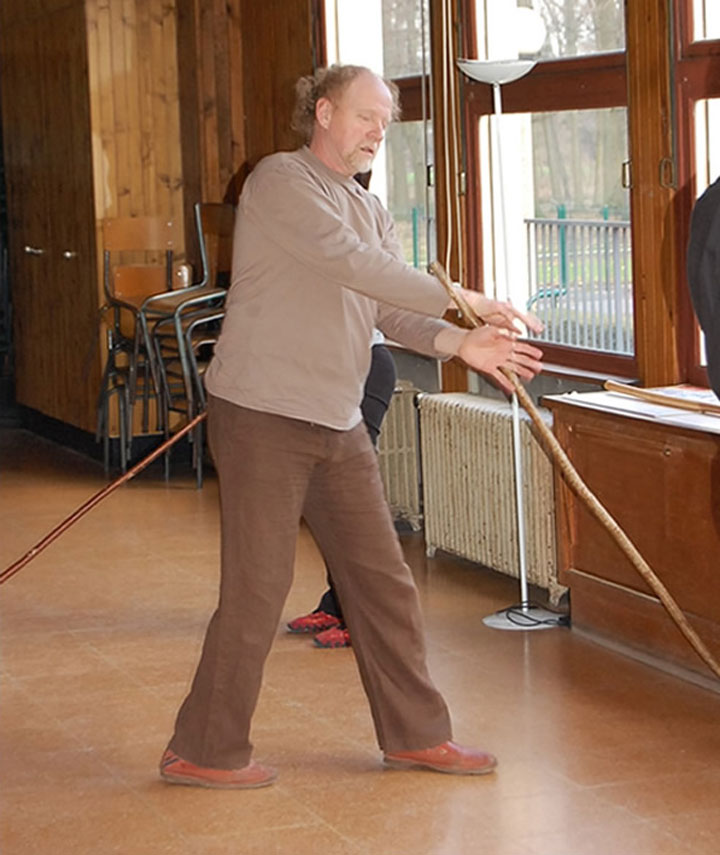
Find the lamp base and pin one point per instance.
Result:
(525, 617)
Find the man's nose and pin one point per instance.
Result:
(377, 131)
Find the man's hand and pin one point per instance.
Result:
(500, 314)
(488, 349)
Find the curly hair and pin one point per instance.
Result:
(328, 83)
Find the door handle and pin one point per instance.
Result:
(34, 250)
(626, 177)
(69, 253)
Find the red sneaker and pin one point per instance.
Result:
(334, 637)
(175, 770)
(449, 757)
(314, 622)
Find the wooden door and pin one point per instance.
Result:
(51, 212)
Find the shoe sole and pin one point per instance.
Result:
(429, 767)
(190, 781)
(330, 646)
(310, 630)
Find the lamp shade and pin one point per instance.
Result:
(496, 71)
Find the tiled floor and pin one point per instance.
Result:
(599, 755)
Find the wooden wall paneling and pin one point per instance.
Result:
(121, 62)
(258, 47)
(277, 50)
(223, 100)
(148, 138)
(153, 72)
(171, 101)
(189, 63)
(654, 220)
(131, 120)
(238, 150)
(155, 45)
(209, 84)
(135, 107)
(212, 116)
(102, 108)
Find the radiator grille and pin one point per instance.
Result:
(398, 455)
(468, 486)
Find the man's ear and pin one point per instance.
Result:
(323, 112)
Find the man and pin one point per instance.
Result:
(316, 268)
(703, 268)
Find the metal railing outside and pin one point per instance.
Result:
(580, 282)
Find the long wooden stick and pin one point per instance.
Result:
(41, 545)
(583, 491)
(663, 399)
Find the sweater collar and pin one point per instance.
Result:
(317, 164)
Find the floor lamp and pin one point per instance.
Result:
(525, 615)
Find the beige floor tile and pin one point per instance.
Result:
(599, 755)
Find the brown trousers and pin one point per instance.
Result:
(272, 471)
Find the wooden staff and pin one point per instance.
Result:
(10, 571)
(582, 490)
(663, 399)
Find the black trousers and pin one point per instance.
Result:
(377, 395)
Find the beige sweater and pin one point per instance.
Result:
(316, 267)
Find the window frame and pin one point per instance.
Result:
(595, 81)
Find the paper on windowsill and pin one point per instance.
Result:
(619, 403)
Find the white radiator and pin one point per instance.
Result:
(468, 486)
(399, 455)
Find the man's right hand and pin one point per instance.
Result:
(488, 349)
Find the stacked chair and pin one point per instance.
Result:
(160, 339)
(184, 338)
(138, 260)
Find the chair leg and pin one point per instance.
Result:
(122, 405)
(198, 446)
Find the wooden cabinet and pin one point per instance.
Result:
(661, 482)
(48, 164)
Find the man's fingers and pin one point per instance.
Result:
(502, 381)
(522, 348)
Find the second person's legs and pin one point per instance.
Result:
(327, 618)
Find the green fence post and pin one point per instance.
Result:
(562, 214)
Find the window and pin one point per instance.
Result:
(567, 222)
(557, 238)
(572, 27)
(706, 20)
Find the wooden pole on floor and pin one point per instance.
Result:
(69, 521)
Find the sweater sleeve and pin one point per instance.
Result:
(288, 205)
(411, 329)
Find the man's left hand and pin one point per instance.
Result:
(501, 314)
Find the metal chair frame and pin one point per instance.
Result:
(178, 320)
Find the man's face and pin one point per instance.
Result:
(351, 127)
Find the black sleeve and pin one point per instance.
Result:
(703, 270)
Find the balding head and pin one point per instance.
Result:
(352, 108)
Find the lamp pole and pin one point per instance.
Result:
(497, 73)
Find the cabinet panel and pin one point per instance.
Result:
(51, 214)
(662, 485)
